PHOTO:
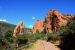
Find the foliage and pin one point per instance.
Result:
(9, 36)
(6, 40)
(71, 26)
(22, 39)
(2, 42)
(40, 35)
(54, 36)
(1, 35)
(66, 34)
(68, 38)
(64, 31)
(34, 37)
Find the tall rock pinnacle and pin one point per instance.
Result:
(18, 29)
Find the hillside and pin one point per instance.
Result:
(7, 26)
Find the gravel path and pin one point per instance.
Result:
(43, 45)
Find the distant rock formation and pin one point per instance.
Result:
(53, 21)
(18, 29)
(39, 25)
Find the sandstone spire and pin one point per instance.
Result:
(18, 29)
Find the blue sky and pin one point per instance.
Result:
(29, 11)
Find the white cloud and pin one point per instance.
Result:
(4, 20)
(33, 18)
(30, 26)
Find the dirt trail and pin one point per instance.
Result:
(43, 45)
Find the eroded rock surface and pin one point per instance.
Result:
(53, 21)
(18, 29)
(39, 25)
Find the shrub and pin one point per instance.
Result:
(21, 39)
(54, 36)
(71, 26)
(31, 38)
(1, 35)
(36, 36)
(9, 36)
(40, 35)
(68, 38)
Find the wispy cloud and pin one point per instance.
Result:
(4, 20)
(30, 26)
(33, 18)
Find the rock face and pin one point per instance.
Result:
(39, 25)
(53, 21)
(18, 29)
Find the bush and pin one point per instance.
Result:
(21, 39)
(9, 36)
(3, 42)
(71, 26)
(54, 36)
(68, 38)
(36, 36)
(31, 38)
(1, 35)
(39, 35)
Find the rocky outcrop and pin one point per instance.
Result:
(39, 25)
(18, 29)
(53, 21)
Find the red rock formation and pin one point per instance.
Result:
(53, 21)
(18, 29)
(39, 25)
